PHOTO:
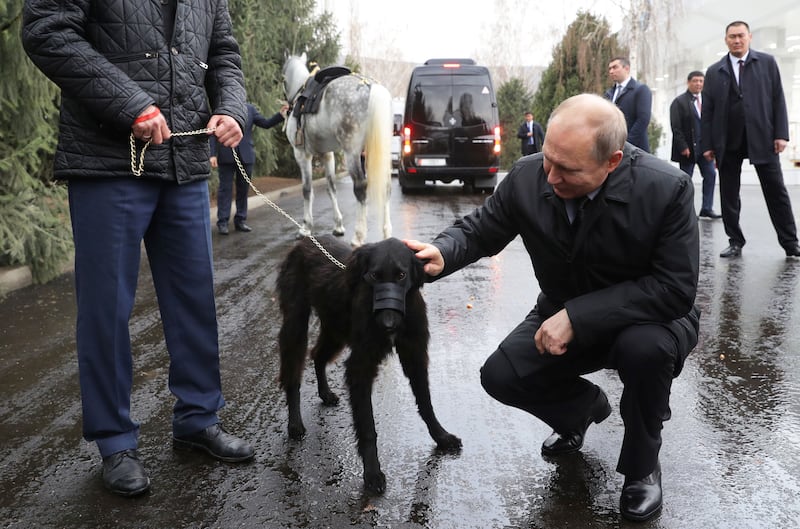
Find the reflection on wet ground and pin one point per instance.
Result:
(730, 455)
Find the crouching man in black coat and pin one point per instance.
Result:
(612, 236)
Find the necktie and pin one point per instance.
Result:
(574, 207)
(741, 69)
(616, 93)
(698, 105)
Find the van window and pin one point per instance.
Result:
(397, 127)
(451, 106)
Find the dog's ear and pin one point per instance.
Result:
(415, 270)
(357, 265)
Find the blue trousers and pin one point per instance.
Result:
(709, 175)
(110, 219)
(225, 192)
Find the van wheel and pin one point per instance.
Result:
(402, 180)
(469, 187)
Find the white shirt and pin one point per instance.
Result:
(735, 64)
(618, 88)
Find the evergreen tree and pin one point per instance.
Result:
(580, 64)
(34, 221)
(513, 100)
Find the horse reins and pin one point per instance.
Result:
(137, 168)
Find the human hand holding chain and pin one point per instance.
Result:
(151, 126)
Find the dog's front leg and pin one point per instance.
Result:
(359, 380)
(329, 398)
(415, 367)
(296, 427)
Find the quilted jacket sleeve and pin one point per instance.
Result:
(225, 84)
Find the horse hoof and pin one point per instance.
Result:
(339, 232)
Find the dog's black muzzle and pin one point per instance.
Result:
(389, 296)
(389, 302)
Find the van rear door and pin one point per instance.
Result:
(452, 120)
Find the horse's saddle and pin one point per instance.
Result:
(309, 99)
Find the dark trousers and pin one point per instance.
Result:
(225, 192)
(776, 197)
(709, 175)
(553, 390)
(110, 218)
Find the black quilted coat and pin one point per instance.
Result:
(111, 60)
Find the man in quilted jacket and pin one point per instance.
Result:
(132, 75)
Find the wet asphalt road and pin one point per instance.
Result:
(730, 457)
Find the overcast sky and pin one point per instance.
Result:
(417, 30)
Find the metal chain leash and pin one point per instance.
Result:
(137, 168)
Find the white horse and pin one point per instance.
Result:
(354, 116)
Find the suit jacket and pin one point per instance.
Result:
(247, 151)
(538, 138)
(633, 257)
(765, 115)
(636, 103)
(685, 123)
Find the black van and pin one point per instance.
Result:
(451, 128)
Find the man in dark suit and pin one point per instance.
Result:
(633, 98)
(684, 116)
(744, 116)
(531, 135)
(223, 158)
(612, 235)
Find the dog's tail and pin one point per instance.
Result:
(378, 149)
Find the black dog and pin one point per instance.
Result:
(371, 305)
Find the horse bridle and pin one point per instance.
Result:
(300, 90)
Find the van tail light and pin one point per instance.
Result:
(497, 140)
(406, 140)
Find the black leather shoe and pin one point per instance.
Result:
(241, 226)
(216, 442)
(734, 250)
(793, 250)
(223, 229)
(124, 474)
(559, 444)
(709, 214)
(641, 498)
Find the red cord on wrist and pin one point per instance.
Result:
(145, 117)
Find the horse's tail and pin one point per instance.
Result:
(378, 146)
